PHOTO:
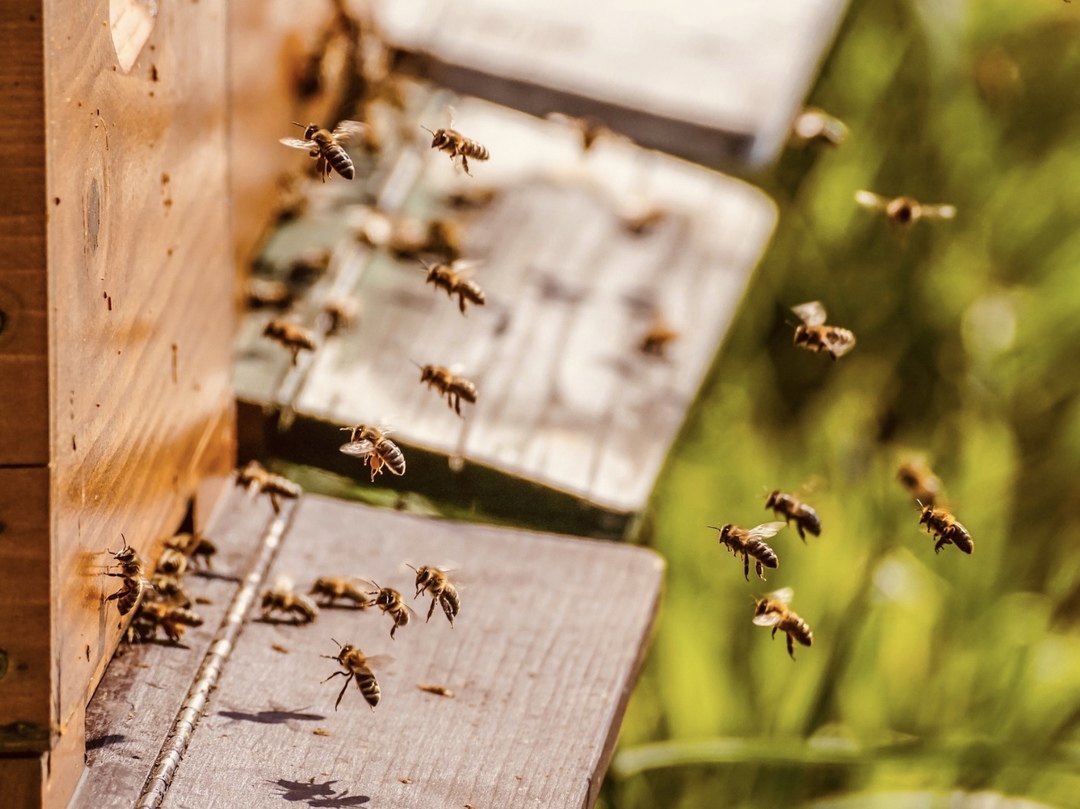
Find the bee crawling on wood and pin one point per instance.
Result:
(455, 144)
(331, 588)
(941, 523)
(291, 335)
(372, 445)
(153, 615)
(281, 598)
(132, 584)
(903, 212)
(255, 478)
(773, 611)
(357, 667)
(750, 542)
(389, 601)
(452, 278)
(813, 335)
(449, 384)
(441, 590)
(338, 315)
(790, 508)
(328, 147)
(169, 589)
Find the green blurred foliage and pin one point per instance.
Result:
(928, 672)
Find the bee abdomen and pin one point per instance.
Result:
(960, 537)
(475, 150)
(337, 157)
(810, 521)
(762, 552)
(451, 603)
(369, 687)
(393, 457)
(465, 389)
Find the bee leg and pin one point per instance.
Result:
(393, 629)
(802, 536)
(746, 566)
(461, 302)
(465, 164)
(457, 404)
(790, 647)
(275, 501)
(940, 544)
(431, 610)
(448, 611)
(760, 571)
(774, 632)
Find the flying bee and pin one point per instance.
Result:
(455, 144)
(773, 611)
(371, 443)
(132, 583)
(817, 126)
(790, 508)
(255, 478)
(309, 266)
(922, 484)
(813, 335)
(337, 315)
(172, 618)
(449, 384)
(903, 211)
(749, 542)
(331, 588)
(470, 199)
(281, 598)
(942, 524)
(657, 339)
(589, 129)
(451, 278)
(389, 601)
(641, 222)
(168, 588)
(357, 667)
(264, 293)
(440, 589)
(291, 335)
(328, 147)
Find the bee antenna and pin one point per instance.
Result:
(427, 130)
(411, 568)
(338, 645)
(297, 123)
(421, 367)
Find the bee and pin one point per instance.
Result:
(255, 478)
(657, 339)
(309, 266)
(173, 562)
(589, 129)
(337, 315)
(641, 222)
(331, 588)
(788, 507)
(813, 335)
(942, 524)
(750, 543)
(172, 618)
(357, 667)
(281, 598)
(457, 145)
(389, 601)
(168, 588)
(916, 476)
(773, 611)
(440, 589)
(442, 238)
(453, 387)
(817, 126)
(291, 335)
(264, 293)
(371, 443)
(437, 690)
(132, 583)
(328, 147)
(904, 211)
(202, 551)
(451, 278)
(471, 199)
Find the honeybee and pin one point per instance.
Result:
(173, 562)
(748, 542)
(437, 690)
(922, 484)
(451, 278)
(904, 211)
(173, 618)
(281, 598)
(168, 588)
(389, 601)
(331, 588)
(310, 265)
(371, 443)
(641, 222)
(328, 147)
(813, 335)
(128, 560)
(773, 611)
(357, 667)
(470, 199)
(255, 478)
(457, 145)
(132, 583)
(589, 129)
(440, 589)
(657, 339)
(202, 551)
(453, 387)
(262, 292)
(817, 126)
(291, 335)
(790, 508)
(942, 524)
(338, 314)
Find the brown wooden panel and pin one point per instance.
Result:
(541, 659)
(21, 779)
(25, 610)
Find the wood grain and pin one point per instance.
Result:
(542, 659)
(719, 84)
(566, 399)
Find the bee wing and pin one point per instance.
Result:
(868, 199)
(840, 342)
(767, 619)
(811, 313)
(379, 660)
(765, 530)
(283, 582)
(358, 449)
(348, 132)
(297, 143)
(466, 268)
(938, 211)
(783, 596)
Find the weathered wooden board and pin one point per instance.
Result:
(138, 698)
(541, 659)
(566, 399)
(718, 83)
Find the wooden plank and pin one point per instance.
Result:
(541, 673)
(719, 84)
(566, 399)
(140, 694)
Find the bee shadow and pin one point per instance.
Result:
(265, 619)
(317, 795)
(274, 717)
